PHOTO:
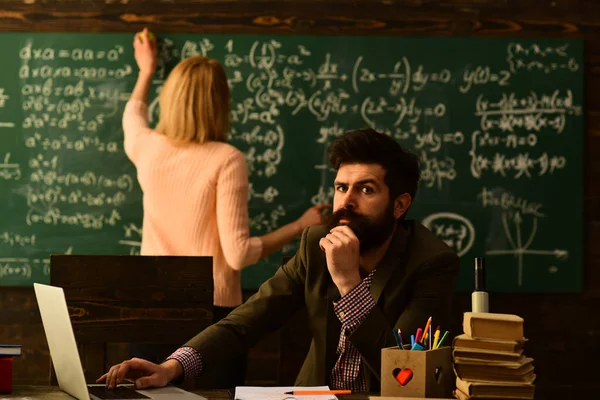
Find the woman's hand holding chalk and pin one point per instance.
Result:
(144, 46)
(146, 34)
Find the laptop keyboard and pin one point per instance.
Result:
(120, 392)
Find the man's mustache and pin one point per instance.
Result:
(344, 213)
(354, 220)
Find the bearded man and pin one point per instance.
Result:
(369, 271)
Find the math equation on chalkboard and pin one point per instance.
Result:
(497, 125)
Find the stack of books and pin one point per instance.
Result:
(489, 359)
(7, 352)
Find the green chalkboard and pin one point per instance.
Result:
(497, 123)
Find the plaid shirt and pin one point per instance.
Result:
(190, 360)
(351, 310)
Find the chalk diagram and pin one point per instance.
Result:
(455, 230)
(518, 249)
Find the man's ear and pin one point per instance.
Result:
(401, 204)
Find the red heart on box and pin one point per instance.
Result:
(402, 376)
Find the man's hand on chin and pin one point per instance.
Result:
(342, 250)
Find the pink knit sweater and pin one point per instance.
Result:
(195, 201)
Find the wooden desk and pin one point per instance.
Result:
(53, 393)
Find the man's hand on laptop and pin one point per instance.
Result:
(143, 373)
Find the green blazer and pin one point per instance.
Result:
(414, 280)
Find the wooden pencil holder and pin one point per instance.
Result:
(411, 373)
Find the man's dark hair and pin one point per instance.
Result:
(367, 146)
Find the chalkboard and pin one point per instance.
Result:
(497, 123)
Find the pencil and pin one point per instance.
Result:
(436, 339)
(400, 337)
(427, 325)
(398, 341)
(317, 392)
(441, 342)
(430, 338)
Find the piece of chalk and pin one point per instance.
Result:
(149, 35)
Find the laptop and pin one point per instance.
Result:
(65, 356)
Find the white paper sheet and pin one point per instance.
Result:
(278, 393)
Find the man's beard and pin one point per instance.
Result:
(371, 232)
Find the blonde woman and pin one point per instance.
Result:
(195, 185)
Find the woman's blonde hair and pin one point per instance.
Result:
(195, 102)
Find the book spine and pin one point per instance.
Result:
(6, 374)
